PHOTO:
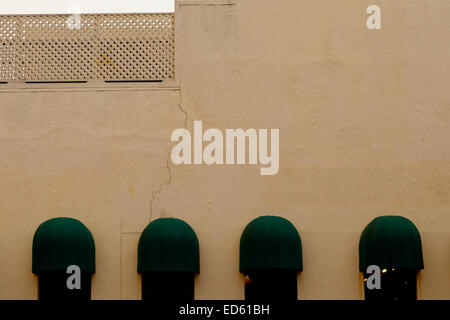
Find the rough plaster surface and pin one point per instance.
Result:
(364, 121)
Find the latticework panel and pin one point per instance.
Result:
(104, 47)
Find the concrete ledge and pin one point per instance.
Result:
(21, 86)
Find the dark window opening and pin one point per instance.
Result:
(52, 285)
(168, 285)
(396, 285)
(271, 285)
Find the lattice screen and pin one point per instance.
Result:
(105, 47)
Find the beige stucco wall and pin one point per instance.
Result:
(364, 119)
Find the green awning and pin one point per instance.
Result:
(390, 241)
(168, 244)
(61, 242)
(270, 242)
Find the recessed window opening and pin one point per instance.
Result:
(396, 285)
(270, 258)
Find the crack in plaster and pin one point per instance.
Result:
(169, 179)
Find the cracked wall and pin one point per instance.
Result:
(364, 131)
(92, 155)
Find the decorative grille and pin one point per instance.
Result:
(104, 47)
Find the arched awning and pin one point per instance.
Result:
(390, 241)
(168, 244)
(270, 242)
(61, 242)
